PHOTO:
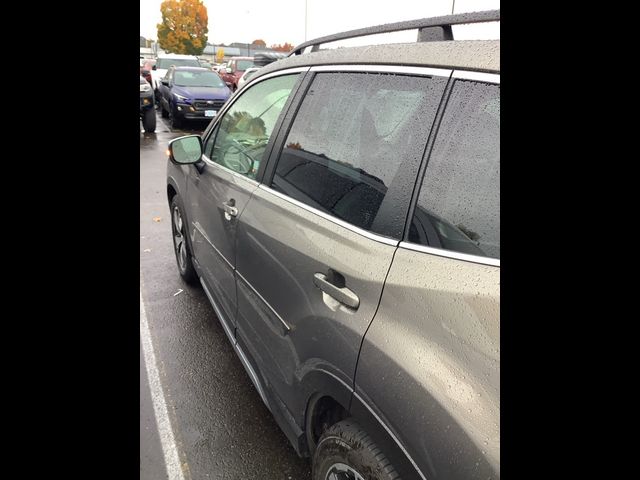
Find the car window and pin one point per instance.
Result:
(244, 64)
(164, 63)
(198, 79)
(242, 134)
(356, 144)
(458, 207)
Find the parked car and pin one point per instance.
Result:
(246, 75)
(163, 62)
(342, 215)
(192, 93)
(233, 71)
(146, 68)
(147, 106)
(205, 64)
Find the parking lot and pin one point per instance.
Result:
(200, 416)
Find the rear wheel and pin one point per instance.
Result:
(346, 452)
(149, 120)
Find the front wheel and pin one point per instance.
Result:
(149, 120)
(346, 452)
(176, 122)
(180, 244)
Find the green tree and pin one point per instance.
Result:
(184, 26)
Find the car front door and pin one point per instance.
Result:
(220, 187)
(315, 246)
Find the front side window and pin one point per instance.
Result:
(458, 207)
(355, 146)
(241, 137)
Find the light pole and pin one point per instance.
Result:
(305, 20)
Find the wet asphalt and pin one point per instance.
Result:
(221, 427)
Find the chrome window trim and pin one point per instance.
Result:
(391, 434)
(254, 79)
(478, 76)
(197, 226)
(494, 262)
(208, 161)
(286, 326)
(331, 218)
(425, 71)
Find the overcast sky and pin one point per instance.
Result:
(279, 21)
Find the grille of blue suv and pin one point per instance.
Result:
(206, 105)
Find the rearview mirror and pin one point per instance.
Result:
(185, 150)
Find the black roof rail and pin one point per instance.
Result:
(429, 29)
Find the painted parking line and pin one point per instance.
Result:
(167, 438)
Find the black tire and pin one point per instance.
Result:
(348, 444)
(173, 118)
(149, 120)
(179, 234)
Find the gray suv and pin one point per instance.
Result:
(342, 214)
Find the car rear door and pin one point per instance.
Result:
(430, 362)
(220, 187)
(317, 239)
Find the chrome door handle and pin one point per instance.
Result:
(229, 209)
(343, 295)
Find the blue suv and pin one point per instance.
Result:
(191, 93)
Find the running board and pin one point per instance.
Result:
(243, 359)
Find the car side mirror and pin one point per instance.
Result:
(228, 70)
(165, 82)
(153, 68)
(145, 72)
(185, 150)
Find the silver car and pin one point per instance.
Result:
(342, 214)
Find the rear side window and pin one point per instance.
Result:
(458, 207)
(355, 146)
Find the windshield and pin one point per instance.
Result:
(244, 64)
(165, 63)
(205, 64)
(198, 79)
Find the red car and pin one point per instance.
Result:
(145, 70)
(235, 68)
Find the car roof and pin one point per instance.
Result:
(474, 55)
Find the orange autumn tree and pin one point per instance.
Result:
(286, 47)
(184, 26)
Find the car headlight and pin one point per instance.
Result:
(181, 98)
(145, 87)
